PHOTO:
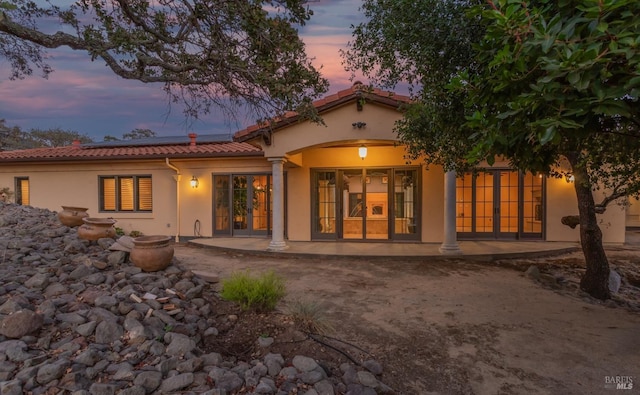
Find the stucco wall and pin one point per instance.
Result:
(52, 186)
(338, 127)
(562, 201)
(633, 212)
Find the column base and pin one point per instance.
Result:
(450, 249)
(277, 246)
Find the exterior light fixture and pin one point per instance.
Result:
(194, 182)
(362, 152)
(359, 125)
(570, 178)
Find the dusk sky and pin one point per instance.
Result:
(87, 97)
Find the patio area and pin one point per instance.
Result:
(481, 250)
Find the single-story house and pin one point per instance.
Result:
(347, 180)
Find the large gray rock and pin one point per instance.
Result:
(179, 345)
(175, 383)
(20, 324)
(304, 364)
(149, 380)
(53, 371)
(108, 332)
(230, 382)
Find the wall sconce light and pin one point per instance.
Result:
(362, 152)
(194, 182)
(570, 178)
(359, 125)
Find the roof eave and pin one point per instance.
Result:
(387, 101)
(131, 158)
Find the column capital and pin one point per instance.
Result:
(282, 159)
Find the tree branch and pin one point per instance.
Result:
(56, 40)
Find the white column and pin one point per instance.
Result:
(277, 230)
(450, 244)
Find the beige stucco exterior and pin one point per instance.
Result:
(180, 210)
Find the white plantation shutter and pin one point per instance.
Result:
(109, 194)
(126, 194)
(145, 202)
(24, 190)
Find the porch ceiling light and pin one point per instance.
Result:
(194, 182)
(362, 152)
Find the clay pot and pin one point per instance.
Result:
(72, 216)
(97, 228)
(151, 253)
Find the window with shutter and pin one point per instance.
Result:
(144, 194)
(126, 193)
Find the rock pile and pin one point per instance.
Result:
(78, 318)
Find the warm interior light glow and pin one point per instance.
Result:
(362, 152)
(194, 182)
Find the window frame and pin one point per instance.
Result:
(19, 195)
(118, 193)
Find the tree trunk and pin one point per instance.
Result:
(596, 278)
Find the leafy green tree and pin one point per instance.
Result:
(548, 85)
(423, 44)
(14, 138)
(57, 137)
(136, 133)
(216, 53)
(139, 134)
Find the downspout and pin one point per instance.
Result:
(176, 177)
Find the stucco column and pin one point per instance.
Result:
(277, 230)
(450, 244)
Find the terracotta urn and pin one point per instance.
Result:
(72, 216)
(97, 228)
(151, 253)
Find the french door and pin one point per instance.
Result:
(365, 204)
(242, 204)
(499, 204)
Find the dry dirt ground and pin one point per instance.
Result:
(447, 326)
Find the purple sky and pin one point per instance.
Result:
(87, 97)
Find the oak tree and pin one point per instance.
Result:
(223, 54)
(550, 85)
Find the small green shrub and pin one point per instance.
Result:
(119, 231)
(309, 316)
(135, 233)
(6, 195)
(261, 292)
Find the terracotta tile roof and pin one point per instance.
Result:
(356, 92)
(96, 151)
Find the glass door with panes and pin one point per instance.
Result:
(405, 201)
(499, 204)
(365, 204)
(365, 199)
(242, 204)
